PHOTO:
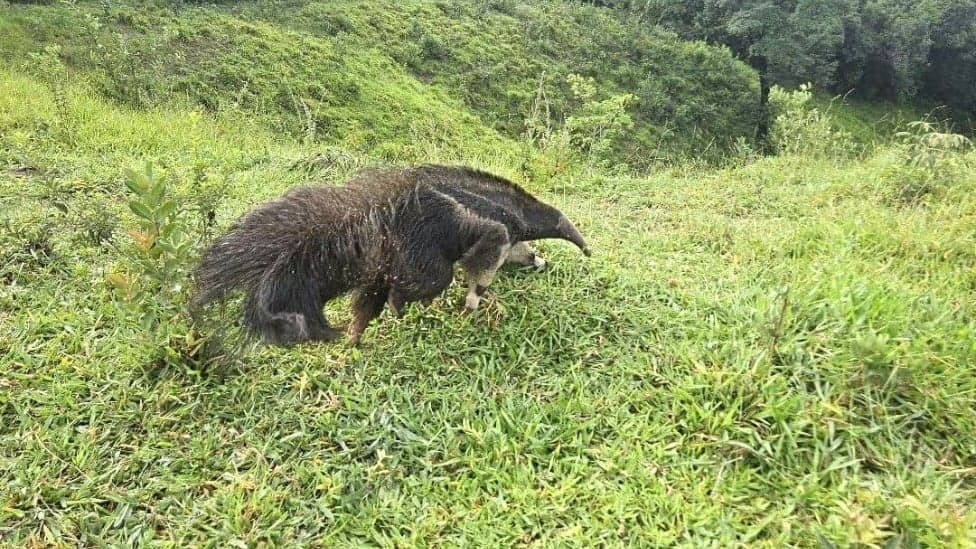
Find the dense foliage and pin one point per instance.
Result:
(915, 52)
(380, 76)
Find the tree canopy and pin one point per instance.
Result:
(919, 52)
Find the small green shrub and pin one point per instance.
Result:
(150, 282)
(432, 48)
(547, 151)
(507, 7)
(744, 151)
(29, 246)
(95, 226)
(590, 134)
(597, 126)
(801, 129)
(46, 65)
(931, 160)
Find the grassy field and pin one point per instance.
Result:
(778, 352)
(393, 80)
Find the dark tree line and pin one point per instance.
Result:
(921, 52)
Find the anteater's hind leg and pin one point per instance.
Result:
(319, 328)
(278, 308)
(521, 253)
(482, 261)
(275, 328)
(367, 304)
(288, 310)
(426, 278)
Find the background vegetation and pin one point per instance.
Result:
(382, 78)
(909, 52)
(765, 349)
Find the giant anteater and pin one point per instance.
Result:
(389, 235)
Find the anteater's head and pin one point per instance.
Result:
(496, 197)
(546, 221)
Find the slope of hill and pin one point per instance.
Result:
(380, 77)
(773, 353)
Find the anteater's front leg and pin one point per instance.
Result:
(482, 261)
(397, 302)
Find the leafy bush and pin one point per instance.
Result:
(150, 282)
(547, 150)
(590, 136)
(801, 129)
(931, 160)
(28, 246)
(597, 127)
(95, 226)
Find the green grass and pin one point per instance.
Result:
(760, 355)
(393, 80)
(869, 124)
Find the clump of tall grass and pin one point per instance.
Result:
(798, 128)
(932, 159)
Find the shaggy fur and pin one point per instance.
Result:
(389, 236)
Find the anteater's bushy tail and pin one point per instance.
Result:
(260, 266)
(229, 264)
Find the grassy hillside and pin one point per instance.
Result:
(776, 352)
(387, 77)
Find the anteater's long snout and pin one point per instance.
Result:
(569, 232)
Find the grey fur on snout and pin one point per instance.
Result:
(569, 232)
